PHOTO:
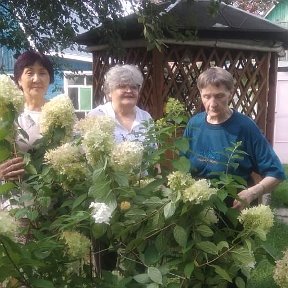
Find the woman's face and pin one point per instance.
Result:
(216, 100)
(34, 81)
(125, 95)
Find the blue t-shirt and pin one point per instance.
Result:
(208, 142)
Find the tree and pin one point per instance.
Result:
(52, 25)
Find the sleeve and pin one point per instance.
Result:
(265, 160)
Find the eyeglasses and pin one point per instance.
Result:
(126, 87)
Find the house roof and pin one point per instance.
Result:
(228, 23)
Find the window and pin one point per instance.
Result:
(79, 89)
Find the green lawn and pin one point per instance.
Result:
(262, 276)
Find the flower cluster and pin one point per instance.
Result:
(99, 122)
(96, 143)
(179, 181)
(10, 94)
(281, 271)
(101, 212)
(58, 112)
(199, 192)
(97, 136)
(8, 224)
(78, 245)
(174, 107)
(127, 156)
(125, 205)
(258, 217)
(67, 160)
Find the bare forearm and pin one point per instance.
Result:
(266, 185)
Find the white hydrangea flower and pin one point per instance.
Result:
(179, 181)
(99, 122)
(95, 143)
(198, 192)
(127, 156)
(78, 245)
(58, 112)
(101, 212)
(174, 107)
(260, 217)
(8, 224)
(10, 94)
(67, 160)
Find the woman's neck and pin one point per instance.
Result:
(124, 111)
(218, 120)
(34, 104)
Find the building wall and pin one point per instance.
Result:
(281, 118)
(279, 14)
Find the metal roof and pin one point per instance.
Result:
(228, 23)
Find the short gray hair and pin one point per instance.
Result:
(122, 75)
(215, 76)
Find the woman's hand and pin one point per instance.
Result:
(266, 185)
(12, 169)
(245, 198)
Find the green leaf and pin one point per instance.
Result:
(6, 187)
(121, 179)
(98, 230)
(180, 235)
(240, 283)
(142, 278)
(5, 150)
(205, 230)
(208, 247)
(182, 144)
(222, 273)
(41, 283)
(152, 285)
(79, 200)
(182, 164)
(222, 244)
(30, 169)
(135, 213)
(151, 255)
(155, 275)
(188, 269)
(243, 256)
(169, 209)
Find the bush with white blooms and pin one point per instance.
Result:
(97, 215)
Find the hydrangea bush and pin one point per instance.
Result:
(98, 215)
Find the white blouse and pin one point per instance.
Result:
(121, 133)
(29, 122)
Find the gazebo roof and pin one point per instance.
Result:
(227, 23)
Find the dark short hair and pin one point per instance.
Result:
(29, 58)
(215, 76)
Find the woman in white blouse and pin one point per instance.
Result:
(33, 72)
(121, 87)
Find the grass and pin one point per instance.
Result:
(262, 276)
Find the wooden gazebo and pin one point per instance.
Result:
(245, 45)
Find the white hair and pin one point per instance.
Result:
(122, 75)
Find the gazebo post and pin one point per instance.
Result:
(157, 83)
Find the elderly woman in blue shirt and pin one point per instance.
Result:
(220, 127)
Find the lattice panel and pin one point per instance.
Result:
(184, 64)
(138, 56)
(177, 69)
